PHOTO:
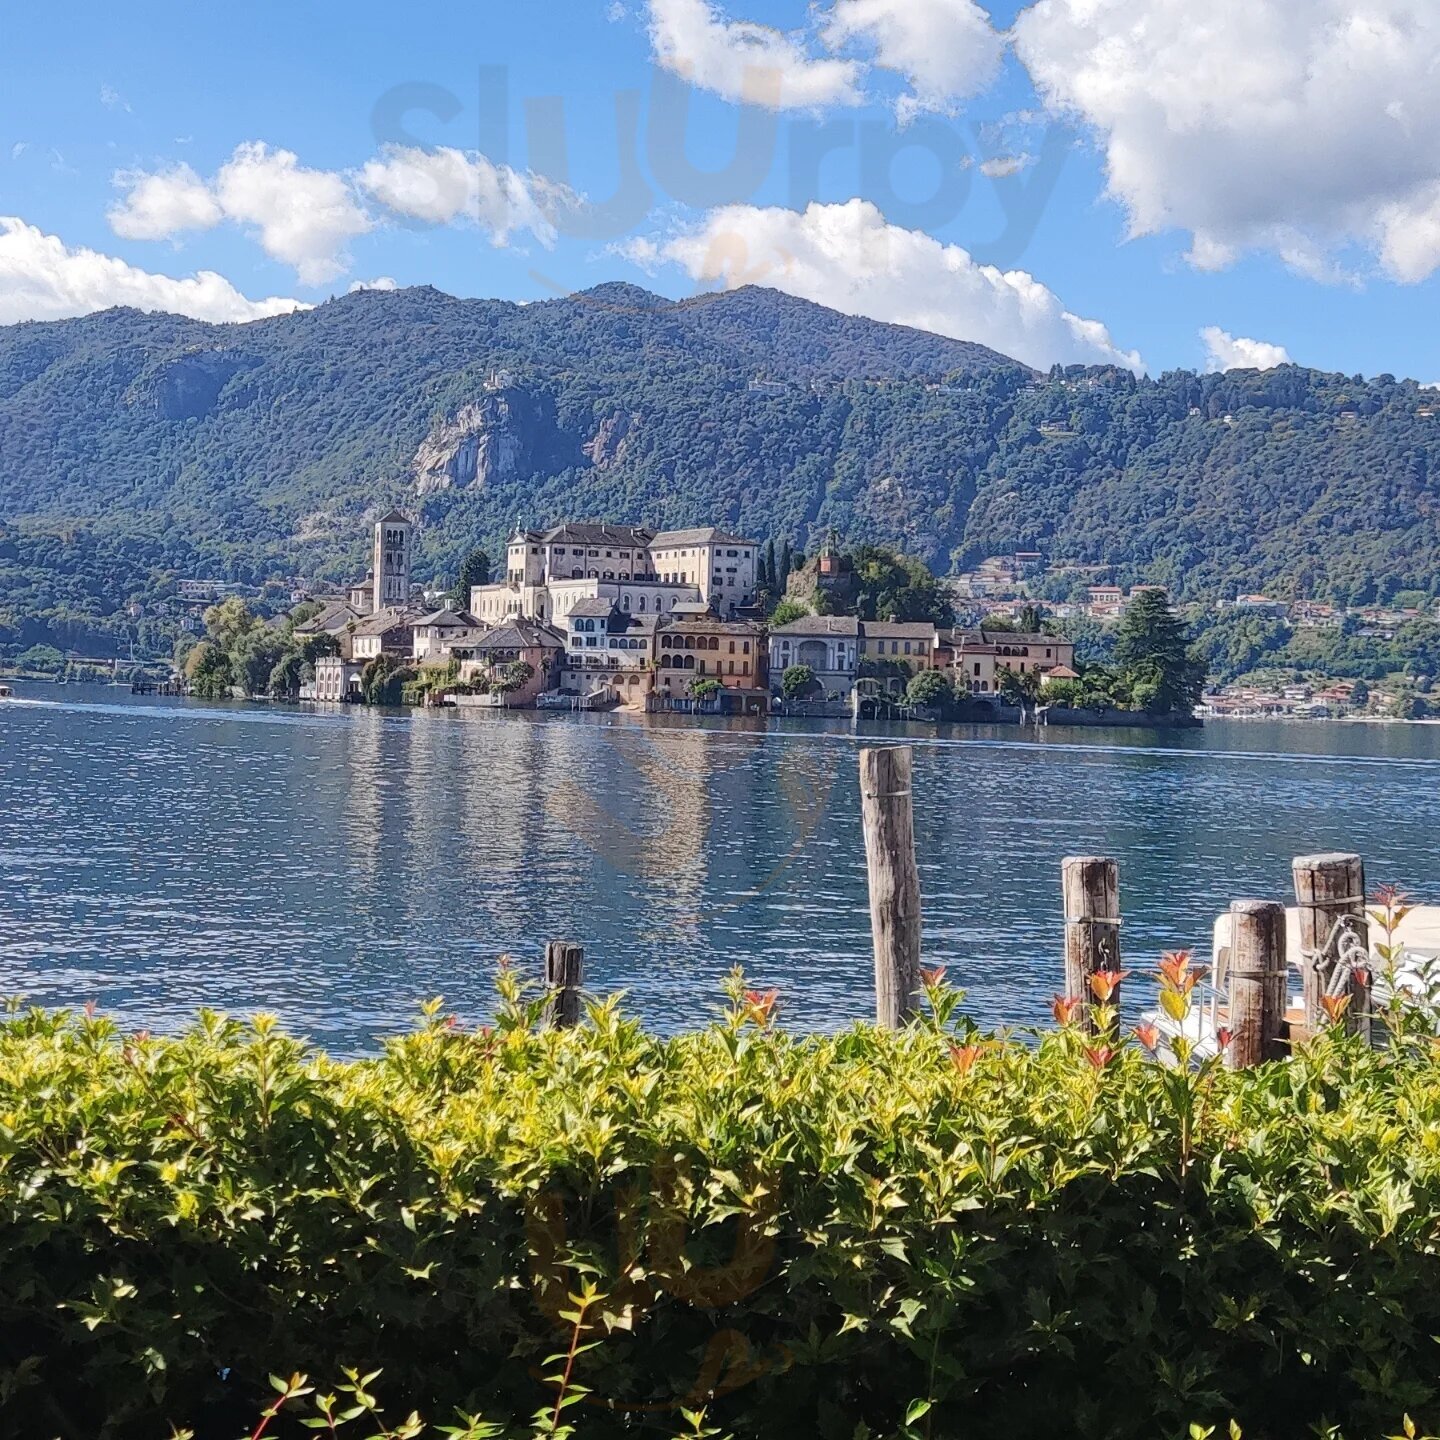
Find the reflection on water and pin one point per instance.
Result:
(338, 867)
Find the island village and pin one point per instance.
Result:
(593, 616)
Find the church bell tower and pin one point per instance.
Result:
(391, 561)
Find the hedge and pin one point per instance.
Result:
(734, 1231)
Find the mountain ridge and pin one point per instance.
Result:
(136, 446)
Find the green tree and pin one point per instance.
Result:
(1153, 647)
(930, 688)
(512, 677)
(44, 658)
(897, 587)
(383, 681)
(1018, 689)
(705, 687)
(474, 570)
(798, 682)
(787, 612)
(207, 669)
(1360, 696)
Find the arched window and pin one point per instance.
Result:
(642, 604)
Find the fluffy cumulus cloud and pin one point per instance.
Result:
(163, 205)
(946, 50)
(307, 218)
(850, 258)
(304, 218)
(1258, 124)
(1227, 352)
(447, 186)
(751, 63)
(41, 278)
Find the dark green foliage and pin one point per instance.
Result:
(383, 680)
(1233, 644)
(931, 688)
(474, 570)
(799, 683)
(807, 1237)
(1152, 646)
(896, 587)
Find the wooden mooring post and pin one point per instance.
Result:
(888, 812)
(1327, 888)
(1090, 886)
(1256, 984)
(564, 975)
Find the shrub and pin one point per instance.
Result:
(799, 683)
(818, 1236)
(932, 688)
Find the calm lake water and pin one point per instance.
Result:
(337, 867)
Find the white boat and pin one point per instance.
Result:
(6, 693)
(1416, 970)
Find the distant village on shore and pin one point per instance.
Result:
(590, 615)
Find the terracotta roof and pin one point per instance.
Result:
(821, 625)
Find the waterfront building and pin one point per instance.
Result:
(705, 647)
(607, 647)
(387, 632)
(892, 650)
(538, 646)
(337, 679)
(435, 633)
(979, 656)
(828, 644)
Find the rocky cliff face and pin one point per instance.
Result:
(612, 440)
(502, 436)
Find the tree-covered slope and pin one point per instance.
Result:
(136, 447)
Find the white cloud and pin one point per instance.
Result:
(1299, 128)
(381, 282)
(947, 50)
(159, 206)
(41, 278)
(741, 61)
(304, 217)
(849, 258)
(1002, 167)
(112, 99)
(19, 148)
(444, 186)
(1226, 352)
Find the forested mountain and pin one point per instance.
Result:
(134, 448)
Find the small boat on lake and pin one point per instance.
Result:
(6, 693)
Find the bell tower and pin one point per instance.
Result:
(391, 560)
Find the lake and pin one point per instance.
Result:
(339, 866)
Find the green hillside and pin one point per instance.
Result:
(135, 448)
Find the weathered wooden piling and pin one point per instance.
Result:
(1327, 888)
(1090, 885)
(888, 811)
(564, 975)
(1256, 984)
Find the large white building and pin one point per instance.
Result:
(548, 573)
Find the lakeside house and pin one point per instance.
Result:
(980, 656)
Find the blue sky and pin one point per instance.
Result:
(1265, 178)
